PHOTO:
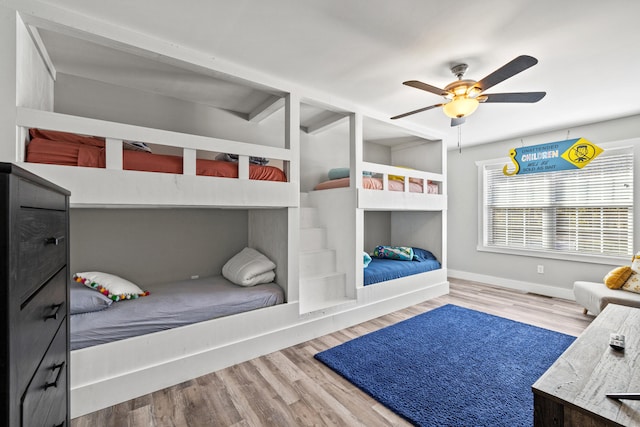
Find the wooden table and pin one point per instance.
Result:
(572, 392)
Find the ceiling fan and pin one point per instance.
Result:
(465, 95)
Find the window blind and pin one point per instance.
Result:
(581, 211)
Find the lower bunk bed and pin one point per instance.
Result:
(128, 340)
(96, 320)
(382, 269)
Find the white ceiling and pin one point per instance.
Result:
(362, 51)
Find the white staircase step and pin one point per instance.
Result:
(308, 217)
(326, 287)
(312, 239)
(311, 306)
(317, 262)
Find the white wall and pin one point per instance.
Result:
(90, 98)
(321, 152)
(420, 154)
(418, 229)
(8, 35)
(376, 153)
(24, 80)
(155, 245)
(513, 270)
(377, 229)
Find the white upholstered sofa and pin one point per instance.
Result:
(594, 297)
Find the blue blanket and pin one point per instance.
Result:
(380, 269)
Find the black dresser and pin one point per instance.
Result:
(34, 234)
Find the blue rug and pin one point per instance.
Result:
(451, 366)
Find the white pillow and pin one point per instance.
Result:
(248, 268)
(114, 287)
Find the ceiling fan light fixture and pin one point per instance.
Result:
(460, 107)
(474, 91)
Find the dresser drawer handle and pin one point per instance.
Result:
(59, 425)
(55, 382)
(53, 240)
(54, 315)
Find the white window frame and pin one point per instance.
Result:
(628, 145)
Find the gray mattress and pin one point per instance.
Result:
(170, 305)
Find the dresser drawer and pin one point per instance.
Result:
(38, 321)
(44, 402)
(34, 196)
(42, 250)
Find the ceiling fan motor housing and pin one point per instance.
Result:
(461, 88)
(459, 70)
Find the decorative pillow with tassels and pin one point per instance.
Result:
(113, 287)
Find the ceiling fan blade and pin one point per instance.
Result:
(514, 97)
(419, 110)
(457, 121)
(424, 86)
(510, 69)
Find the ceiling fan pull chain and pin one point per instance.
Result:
(568, 132)
(460, 139)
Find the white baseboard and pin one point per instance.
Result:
(140, 377)
(535, 288)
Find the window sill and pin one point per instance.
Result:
(586, 258)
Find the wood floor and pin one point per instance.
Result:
(291, 388)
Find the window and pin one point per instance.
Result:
(585, 211)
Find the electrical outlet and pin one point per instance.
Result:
(540, 269)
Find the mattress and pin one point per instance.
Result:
(61, 148)
(170, 305)
(373, 183)
(382, 269)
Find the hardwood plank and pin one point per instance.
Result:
(290, 387)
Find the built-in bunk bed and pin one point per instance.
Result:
(101, 134)
(133, 332)
(391, 196)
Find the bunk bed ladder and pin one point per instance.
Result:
(321, 285)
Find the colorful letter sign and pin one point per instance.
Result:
(553, 156)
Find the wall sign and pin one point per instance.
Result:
(552, 156)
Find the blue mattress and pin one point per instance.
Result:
(382, 269)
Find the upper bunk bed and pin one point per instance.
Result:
(118, 177)
(398, 170)
(386, 187)
(187, 114)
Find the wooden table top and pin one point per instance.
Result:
(590, 368)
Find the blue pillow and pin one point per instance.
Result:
(85, 300)
(422, 255)
(338, 173)
(367, 259)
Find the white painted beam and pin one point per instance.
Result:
(325, 124)
(267, 108)
(42, 50)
